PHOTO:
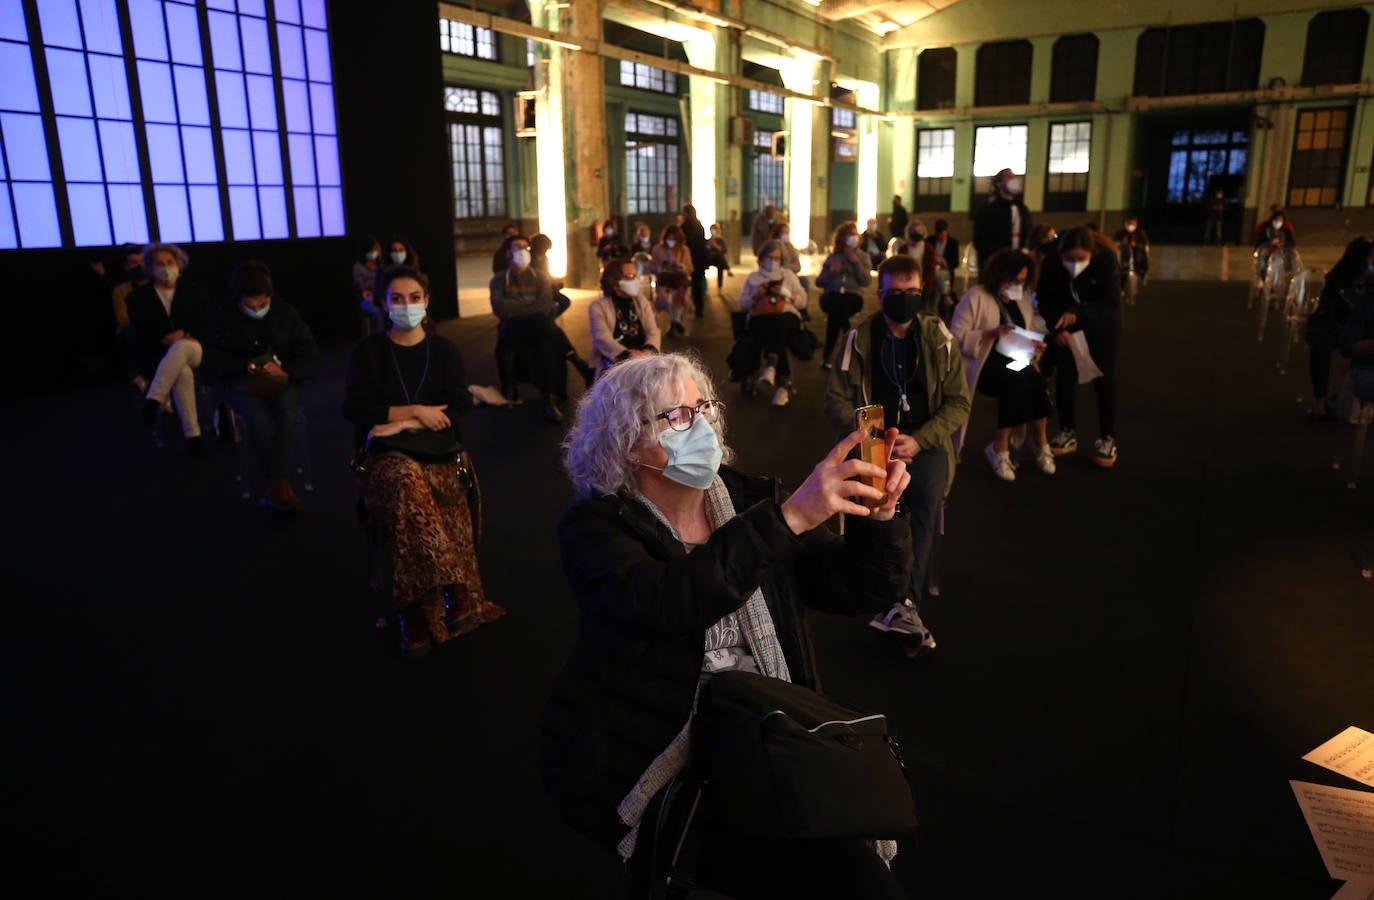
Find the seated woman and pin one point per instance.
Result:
(263, 348)
(1001, 302)
(365, 281)
(1343, 284)
(622, 319)
(946, 260)
(166, 317)
(672, 268)
(843, 275)
(1273, 240)
(611, 245)
(682, 570)
(522, 299)
(717, 254)
(408, 380)
(773, 299)
(1133, 247)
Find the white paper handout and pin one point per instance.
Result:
(1087, 369)
(1351, 753)
(1342, 824)
(1019, 345)
(1355, 890)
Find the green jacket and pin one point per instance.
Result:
(851, 384)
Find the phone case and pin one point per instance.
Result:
(873, 448)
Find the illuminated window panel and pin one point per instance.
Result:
(1066, 173)
(1316, 175)
(476, 153)
(997, 147)
(121, 144)
(651, 164)
(762, 101)
(648, 78)
(468, 40)
(768, 175)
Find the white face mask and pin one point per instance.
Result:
(852, 241)
(766, 265)
(644, 241)
(785, 237)
(406, 316)
(166, 274)
(398, 256)
(610, 232)
(670, 243)
(520, 258)
(372, 255)
(1277, 223)
(1012, 291)
(1012, 186)
(629, 286)
(1130, 227)
(1075, 268)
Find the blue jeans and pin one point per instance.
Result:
(271, 426)
(929, 475)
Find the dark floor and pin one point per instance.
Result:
(1131, 662)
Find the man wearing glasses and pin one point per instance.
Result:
(911, 366)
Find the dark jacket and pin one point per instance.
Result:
(644, 606)
(611, 246)
(1333, 309)
(992, 227)
(1094, 296)
(374, 382)
(233, 339)
(1138, 243)
(695, 237)
(150, 323)
(951, 249)
(899, 220)
(1359, 326)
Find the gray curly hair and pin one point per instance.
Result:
(182, 259)
(617, 415)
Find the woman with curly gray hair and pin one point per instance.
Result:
(683, 569)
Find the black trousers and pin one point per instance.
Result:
(535, 346)
(1021, 396)
(840, 308)
(771, 334)
(747, 866)
(1102, 346)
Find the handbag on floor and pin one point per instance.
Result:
(783, 761)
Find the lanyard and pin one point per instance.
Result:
(402, 379)
(893, 369)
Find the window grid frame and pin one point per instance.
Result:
(477, 38)
(1319, 169)
(1003, 73)
(982, 184)
(639, 192)
(1200, 146)
(936, 78)
(755, 103)
(483, 178)
(1072, 68)
(769, 175)
(642, 77)
(1351, 23)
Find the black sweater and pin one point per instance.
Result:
(150, 322)
(1098, 290)
(374, 385)
(992, 227)
(645, 604)
(233, 339)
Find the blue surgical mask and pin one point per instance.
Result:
(407, 316)
(694, 455)
(398, 256)
(256, 313)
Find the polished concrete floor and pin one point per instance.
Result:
(1131, 662)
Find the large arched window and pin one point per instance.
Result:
(935, 73)
(1335, 47)
(1073, 73)
(1199, 59)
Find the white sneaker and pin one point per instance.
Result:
(1044, 460)
(1000, 462)
(1104, 452)
(767, 378)
(781, 397)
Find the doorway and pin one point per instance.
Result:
(1187, 159)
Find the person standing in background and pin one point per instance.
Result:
(1004, 222)
(763, 227)
(899, 216)
(695, 235)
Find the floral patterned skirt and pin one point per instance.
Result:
(427, 532)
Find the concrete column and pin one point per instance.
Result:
(963, 167)
(965, 74)
(583, 124)
(1042, 67)
(800, 121)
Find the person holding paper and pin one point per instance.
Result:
(1000, 335)
(1079, 294)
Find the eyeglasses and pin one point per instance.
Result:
(680, 418)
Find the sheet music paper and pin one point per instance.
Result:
(1342, 824)
(1351, 753)
(1355, 890)
(1019, 345)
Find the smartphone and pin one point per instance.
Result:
(873, 448)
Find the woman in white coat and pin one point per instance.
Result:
(622, 319)
(997, 305)
(772, 298)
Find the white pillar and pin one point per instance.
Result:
(797, 75)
